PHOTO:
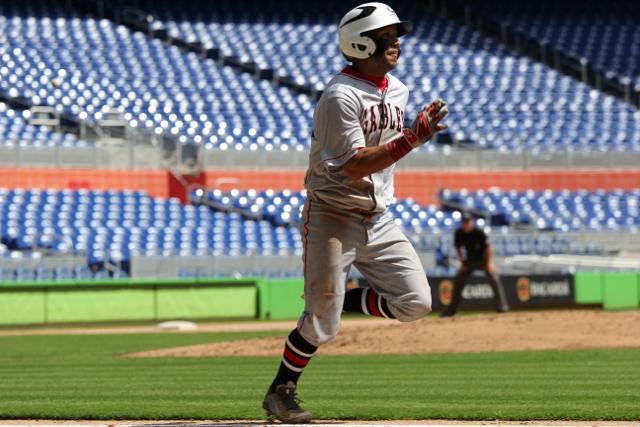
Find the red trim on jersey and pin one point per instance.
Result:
(380, 82)
(372, 303)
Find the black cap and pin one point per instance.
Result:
(466, 216)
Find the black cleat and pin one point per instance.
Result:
(283, 404)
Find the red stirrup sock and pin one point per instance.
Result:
(296, 356)
(367, 301)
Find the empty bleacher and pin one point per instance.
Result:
(15, 130)
(603, 33)
(110, 228)
(101, 65)
(554, 210)
(499, 100)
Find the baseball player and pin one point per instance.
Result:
(477, 255)
(358, 136)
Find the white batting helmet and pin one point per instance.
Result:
(366, 17)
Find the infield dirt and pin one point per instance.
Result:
(539, 330)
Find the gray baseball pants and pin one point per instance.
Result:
(334, 240)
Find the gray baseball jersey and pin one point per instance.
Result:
(346, 222)
(354, 112)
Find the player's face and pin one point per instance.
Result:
(467, 226)
(389, 58)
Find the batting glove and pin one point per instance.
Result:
(427, 123)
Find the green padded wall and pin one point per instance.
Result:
(207, 302)
(281, 298)
(19, 307)
(620, 291)
(99, 305)
(588, 287)
(126, 300)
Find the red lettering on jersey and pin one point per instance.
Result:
(392, 124)
(374, 125)
(384, 117)
(365, 122)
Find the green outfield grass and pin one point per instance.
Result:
(84, 377)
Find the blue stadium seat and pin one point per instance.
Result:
(499, 100)
(284, 207)
(16, 131)
(604, 33)
(557, 210)
(112, 226)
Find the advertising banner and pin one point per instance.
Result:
(521, 290)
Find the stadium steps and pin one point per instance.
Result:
(202, 197)
(558, 59)
(68, 123)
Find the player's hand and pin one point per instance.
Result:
(427, 123)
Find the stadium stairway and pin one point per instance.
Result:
(16, 130)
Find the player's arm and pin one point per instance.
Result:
(368, 160)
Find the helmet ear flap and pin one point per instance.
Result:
(364, 46)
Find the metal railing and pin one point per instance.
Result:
(455, 157)
(571, 263)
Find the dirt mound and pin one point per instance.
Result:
(540, 330)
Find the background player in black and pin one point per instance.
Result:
(477, 255)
